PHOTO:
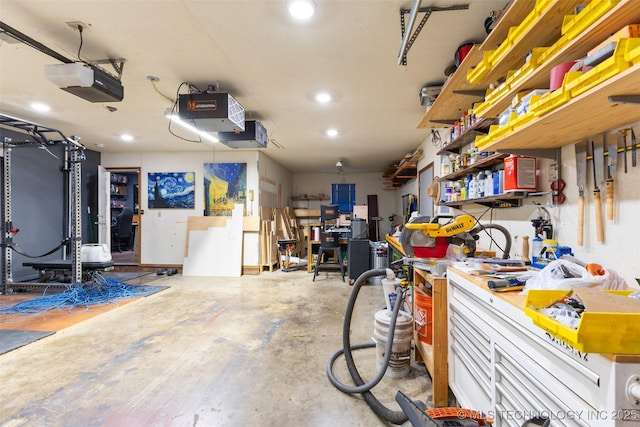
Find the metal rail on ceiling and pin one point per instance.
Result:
(407, 37)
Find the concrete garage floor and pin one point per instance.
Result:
(249, 351)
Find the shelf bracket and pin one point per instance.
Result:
(547, 153)
(444, 121)
(478, 93)
(625, 99)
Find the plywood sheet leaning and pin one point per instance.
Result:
(216, 252)
(203, 223)
(282, 228)
(294, 225)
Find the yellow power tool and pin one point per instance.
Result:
(423, 237)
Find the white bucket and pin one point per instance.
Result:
(400, 361)
(94, 252)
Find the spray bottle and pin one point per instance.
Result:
(389, 284)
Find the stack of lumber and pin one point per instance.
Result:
(277, 224)
(287, 224)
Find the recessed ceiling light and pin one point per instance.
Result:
(126, 137)
(332, 133)
(39, 106)
(301, 9)
(323, 97)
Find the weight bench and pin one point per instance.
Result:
(49, 271)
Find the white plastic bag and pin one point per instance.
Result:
(563, 274)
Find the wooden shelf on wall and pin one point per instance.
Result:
(309, 197)
(400, 172)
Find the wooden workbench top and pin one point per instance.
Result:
(514, 298)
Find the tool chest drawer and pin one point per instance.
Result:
(469, 358)
(502, 364)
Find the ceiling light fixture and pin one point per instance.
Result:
(301, 9)
(175, 118)
(126, 137)
(39, 106)
(332, 133)
(323, 97)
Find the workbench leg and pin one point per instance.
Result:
(440, 344)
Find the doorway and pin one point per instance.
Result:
(124, 194)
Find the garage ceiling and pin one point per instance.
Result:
(271, 64)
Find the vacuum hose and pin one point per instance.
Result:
(395, 417)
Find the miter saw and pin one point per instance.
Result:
(424, 237)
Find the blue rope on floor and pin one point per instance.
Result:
(100, 290)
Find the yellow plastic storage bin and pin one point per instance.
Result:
(606, 69)
(515, 33)
(597, 332)
(479, 108)
(552, 100)
(482, 141)
(520, 120)
(632, 54)
(475, 74)
(501, 51)
(573, 25)
(542, 5)
(496, 132)
(493, 95)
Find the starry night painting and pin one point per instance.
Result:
(225, 184)
(172, 190)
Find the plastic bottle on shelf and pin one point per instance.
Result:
(473, 153)
(467, 186)
(536, 248)
(480, 184)
(473, 188)
(488, 184)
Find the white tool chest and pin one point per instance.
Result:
(500, 363)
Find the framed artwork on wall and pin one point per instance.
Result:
(225, 184)
(171, 190)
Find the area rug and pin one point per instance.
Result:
(11, 340)
(24, 320)
(124, 276)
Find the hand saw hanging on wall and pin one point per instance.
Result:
(612, 163)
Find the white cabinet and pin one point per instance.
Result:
(502, 364)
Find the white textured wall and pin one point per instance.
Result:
(163, 232)
(366, 184)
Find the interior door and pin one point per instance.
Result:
(104, 212)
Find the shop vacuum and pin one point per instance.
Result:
(413, 412)
(394, 417)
